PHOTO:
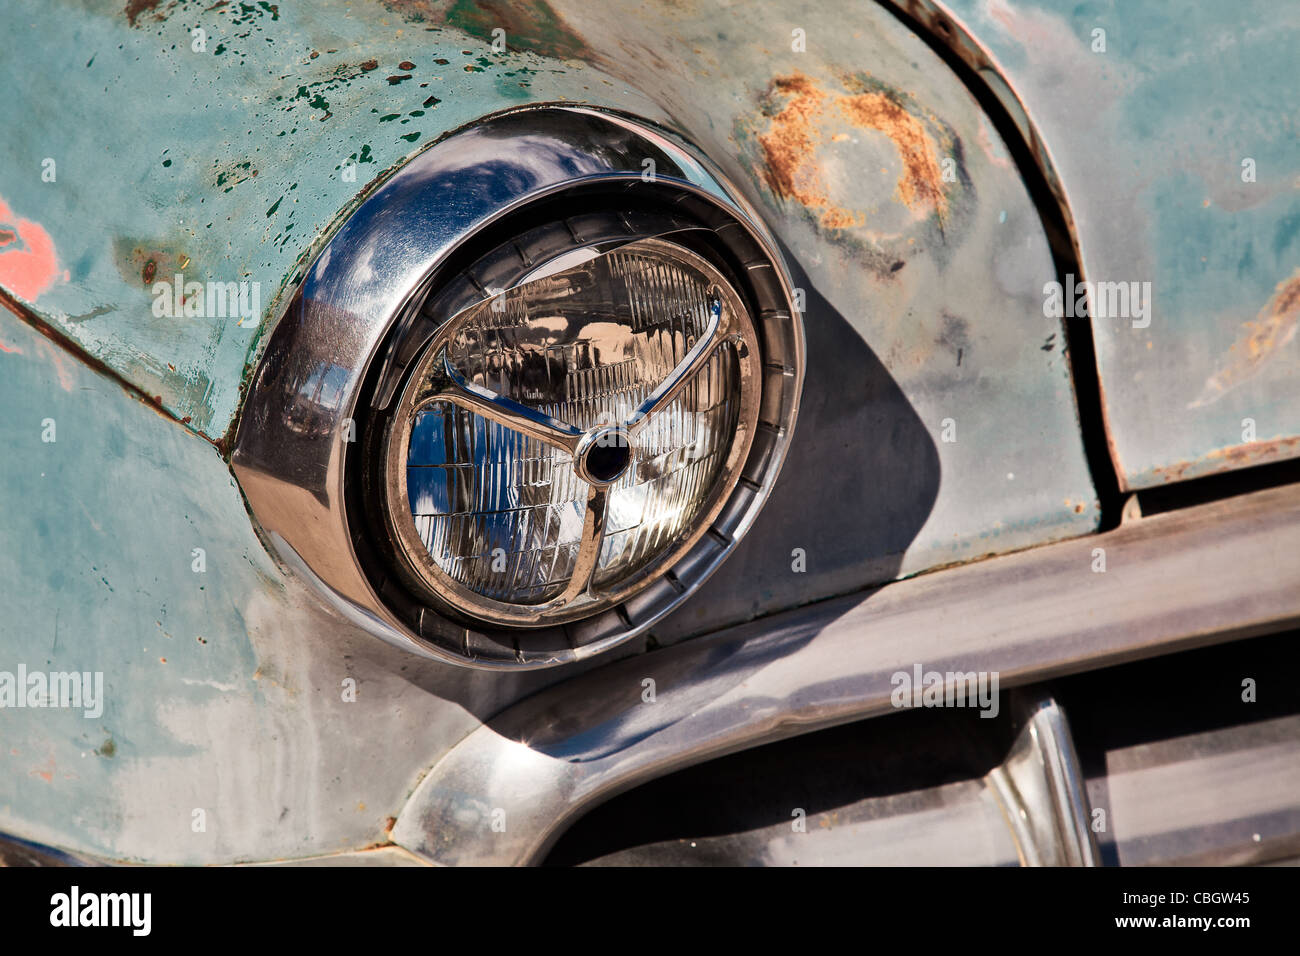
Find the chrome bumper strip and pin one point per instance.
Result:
(1205, 574)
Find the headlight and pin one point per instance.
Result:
(561, 441)
(560, 390)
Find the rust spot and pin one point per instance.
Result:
(798, 131)
(1272, 329)
(137, 8)
(7, 236)
(1174, 472)
(144, 261)
(389, 824)
(369, 65)
(788, 143)
(1230, 458)
(1256, 452)
(406, 65)
(921, 182)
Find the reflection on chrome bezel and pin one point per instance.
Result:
(582, 598)
(301, 466)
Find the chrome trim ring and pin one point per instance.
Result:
(331, 363)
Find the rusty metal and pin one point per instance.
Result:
(1172, 168)
(238, 161)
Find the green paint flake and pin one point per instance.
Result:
(411, 137)
(274, 207)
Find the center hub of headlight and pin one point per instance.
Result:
(604, 454)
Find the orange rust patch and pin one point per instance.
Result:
(921, 183)
(836, 218)
(1230, 458)
(791, 143)
(1257, 452)
(1273, 327)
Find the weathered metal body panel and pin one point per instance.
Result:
(223, 684)
(223, 163)
(922, 278)
(922, 254)
(937, 402)
(1172, 130)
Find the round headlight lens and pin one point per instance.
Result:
(560, 442)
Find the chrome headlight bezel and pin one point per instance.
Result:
(316, 487)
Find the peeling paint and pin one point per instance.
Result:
(29, 264)
(529, 25)
(276, 109)
(135, 9)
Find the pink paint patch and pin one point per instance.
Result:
(28, 262)
(11, 349)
